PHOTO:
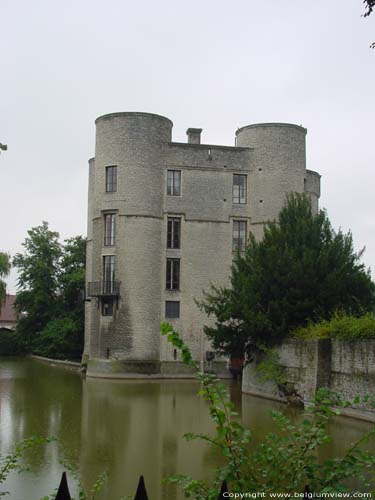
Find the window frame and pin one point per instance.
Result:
(173, 274)
(172, 186)
(110, 238)
(236, 235)
(171, 233)
(240, 197)
(175, 303)
(108, 284)
(111, 179)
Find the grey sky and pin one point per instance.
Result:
(210, 64)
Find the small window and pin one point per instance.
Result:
(174, 182)
(173, 274)
(172, 309)
(239, 188)
(111, 179)
(239, 235)
(109, 229)
(107, 307)
(173, 232)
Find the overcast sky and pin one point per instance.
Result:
(217, 65)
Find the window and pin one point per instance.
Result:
(174, 182)
(108, 273)
(109, 229)
(172, 309)
(239, 235)
(110, 179)
(107, 307)
(239, 188)
(173, 274)
(173, 232)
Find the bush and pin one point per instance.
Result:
(60, 339)
(340, 327)
(10, 344)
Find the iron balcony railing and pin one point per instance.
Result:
(103, 289)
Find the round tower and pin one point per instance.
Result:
(279, 166)
(127, 219)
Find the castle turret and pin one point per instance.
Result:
(127, 231)
(279, 160)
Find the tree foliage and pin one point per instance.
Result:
(369, 5)
(72, 277)
(4, 271)
(301, 271)
(48, 300)
(38, 267)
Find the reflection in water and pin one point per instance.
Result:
(136, 427)
(127, 428)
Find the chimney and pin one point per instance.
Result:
(194, 135)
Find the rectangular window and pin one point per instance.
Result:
(108, 274)
(173, 232)
(173, 274)
(111, 179)
(239, 188)
(172, 309)
(239, 235)
(109, 229)
(174, 182)
(107, 307)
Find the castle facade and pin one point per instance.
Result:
(165, 220)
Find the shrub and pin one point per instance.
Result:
(10, 344)
(340, 327)
(60, 339)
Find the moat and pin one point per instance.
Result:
(126, 428)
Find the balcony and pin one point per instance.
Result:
(103, 289)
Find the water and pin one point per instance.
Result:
(126, 428)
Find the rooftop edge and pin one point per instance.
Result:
(272, 124)
(133, 113)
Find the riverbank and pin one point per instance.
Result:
(71, 365)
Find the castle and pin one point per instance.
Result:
(164, 221)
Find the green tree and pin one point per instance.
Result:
(63, 337)
(72, 276)
(302, 270)
(51, 278)
(4, 271)
(38, 288)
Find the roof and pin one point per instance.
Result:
(7, 311)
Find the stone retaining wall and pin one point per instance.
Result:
(346, 367)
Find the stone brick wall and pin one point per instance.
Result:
(347, 368)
